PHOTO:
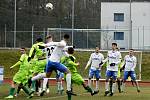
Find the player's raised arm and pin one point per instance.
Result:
(60, 44)
(19, 62)
(89, 62)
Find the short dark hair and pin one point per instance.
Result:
(23, 48)
(131, 49)
(49, 36)
(97, 46)
(70, 50)
(39, 39)
(66, 36)
(114, 44)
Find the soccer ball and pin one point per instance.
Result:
(49, 6)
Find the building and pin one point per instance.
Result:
(116, 15)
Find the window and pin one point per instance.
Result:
(118, 35)
(118, 16)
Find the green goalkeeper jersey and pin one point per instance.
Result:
(69, 62)
(36, 52)
(23, 63)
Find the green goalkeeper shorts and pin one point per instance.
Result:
(77, 79)
(21, 77)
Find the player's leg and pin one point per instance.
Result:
(119, 81)
(133, 77)
(77, 79)
(91, 74)
(59, 82)
(108, 75)
(97, 75)
(18, 90)
(49, 69)
(11, 91)
(60, 67)
(125, 77)
(114, 77)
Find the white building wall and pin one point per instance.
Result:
(140, 19)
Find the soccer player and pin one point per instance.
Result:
(96, 60)
(129, 68)
(37, 58)
(113, 60)
(48, 50)
(119, 79)
(54, 62)
(76, 78)
(21, 77)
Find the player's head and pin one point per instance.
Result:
(114, 46)
(22, 50)
(49, 38)
(97, 49)
(66, 37)
(131, 52)
(39, 39)
(70, 50)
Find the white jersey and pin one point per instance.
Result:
(130, 63)
(113, 57)
(58, 51)
(49, 51)
(95, 59)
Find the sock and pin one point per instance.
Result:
(97, 85)
(89, 82)
(107, 86)
(26, 90)
(69, 97)
(58, 86)
(11, 91)
(18, 89)
(45, 81)
(119, 84)
(29, 83)
(137, 86)
(39, 76)
(68, 80)
(88, 89)
(61, 85)
(33, 85)
(122, 86)
(113, 87)
(47, 85)
(37, 86)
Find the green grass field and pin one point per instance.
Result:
(9, 56)
(129, 94)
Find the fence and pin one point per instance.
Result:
(81, 38)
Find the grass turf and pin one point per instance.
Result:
(129, 94)
(9, 57)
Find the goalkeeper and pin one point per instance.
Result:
(37, 59)
(76, 78)
(21, 77)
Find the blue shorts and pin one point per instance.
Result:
(59, 75)
(129, 73)
(93, 72)
(55, 66)
(112, 74)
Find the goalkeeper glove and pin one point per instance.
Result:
(112, 64)
(41, 47)
(29, 58)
